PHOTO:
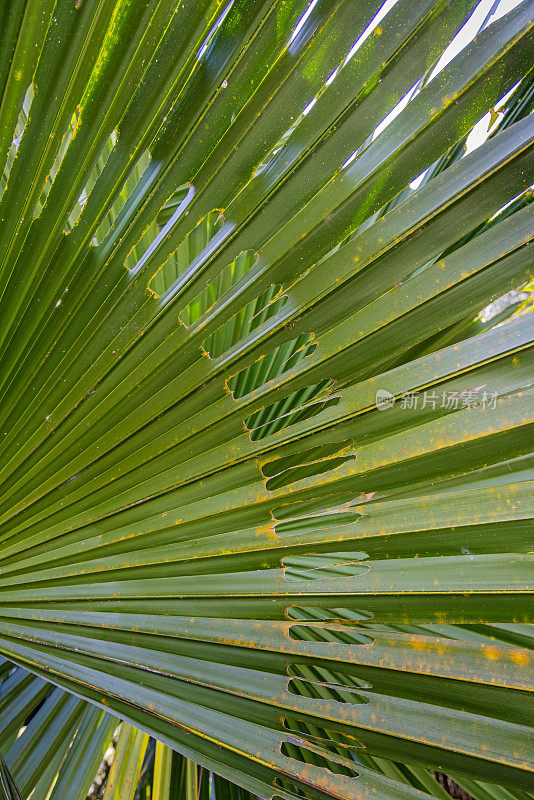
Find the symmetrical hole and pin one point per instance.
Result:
(306, 756)
(248, 319)
(191, 247)
(300, 405)
(328, 635)
(305, 524)
(313, 613)
(325, 566)
(17, 136)
(156, 231)
(126, 192)
(60, 155)
(95, 173)
(325, 691)
(321, 675)
(333, 741)
(312, 454)
(308, 464)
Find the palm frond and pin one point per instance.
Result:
(266, 476)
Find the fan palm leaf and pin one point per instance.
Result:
(262, 470)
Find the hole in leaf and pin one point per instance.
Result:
(325, 691)
(327, 566)
(311, 613)
(289, 411)
(153, 235)
(317, 674)
(17, 136)
(306, 756)
(190, 249)
(312, 633)
(331, 740)
(60, 155)
(271, 365)
(306, 524)
(95, 173)
(247, 319)
(306, 471)
(313, 454)
(127, 190)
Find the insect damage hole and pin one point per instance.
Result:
(300, 405)
(329, 635)
(182, 260)
(125, 198)
(94, 175)
(306, 756)
(223, 288)
(312, 613)
(327, 738)
(326, 691)
(275, 363)
(307, 464)
(326, 566)
(322, 675)
(316, 522)
(20, 127)
(56, 164)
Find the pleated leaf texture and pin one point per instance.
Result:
(265, 465)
